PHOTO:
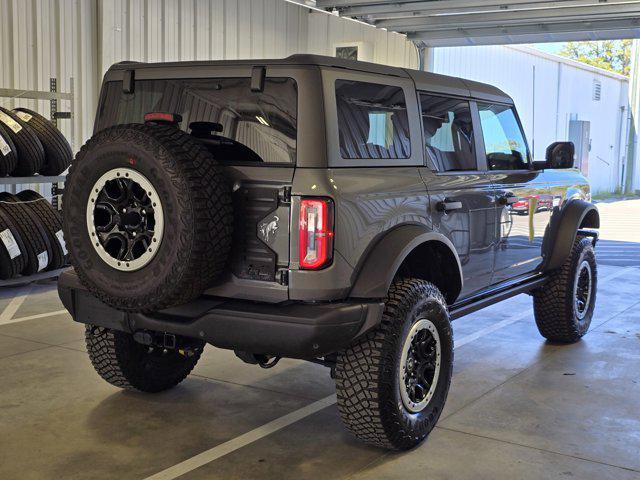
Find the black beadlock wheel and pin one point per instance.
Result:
(29, 149)
(124, 363)
(8, 153)
(37, 248)
(57, 150)
(52, 222)
(392, 384)
(563, 306)
(147, 217)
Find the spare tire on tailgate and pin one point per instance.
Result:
(147, 217)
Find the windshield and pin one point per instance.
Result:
(262, 122)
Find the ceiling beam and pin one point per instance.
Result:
(427, 4)
(411, 9)
(544, 16)
(534, 33)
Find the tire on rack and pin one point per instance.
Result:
(38, 251)
(57, 150)
(147, 217)
(392, 384)
(563, 307)
(52, 223)
(28, 146)
(8, 152)
(12, 257)
(123, 362)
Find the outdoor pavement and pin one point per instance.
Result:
(519, 407)
(619, 233)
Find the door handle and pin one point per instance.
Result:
(504, 200)
(448, 206)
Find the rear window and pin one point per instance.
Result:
(372, 121)
(262, 125)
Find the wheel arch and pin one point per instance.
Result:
(411, 251)
(564, 226)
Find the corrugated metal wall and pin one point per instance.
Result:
(40, 39)
(548, 93)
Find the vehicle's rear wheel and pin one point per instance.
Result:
(147, 217)
(392, 384)
(125, 363)
(564, 305)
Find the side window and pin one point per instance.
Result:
(504, 141)
(448, 133)
(372, 121)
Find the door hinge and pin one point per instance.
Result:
(282, 276)
(285, 194)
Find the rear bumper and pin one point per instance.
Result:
(296, 330)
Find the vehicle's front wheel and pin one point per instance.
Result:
(564, 305)
(392, 384)
(125, 363)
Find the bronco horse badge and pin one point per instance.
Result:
(268, 229)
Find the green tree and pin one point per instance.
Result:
(612, 55)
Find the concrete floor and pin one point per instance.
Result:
(518, 407)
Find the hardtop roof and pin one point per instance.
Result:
(427, 81)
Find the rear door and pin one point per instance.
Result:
(462, 196)
(523, 199)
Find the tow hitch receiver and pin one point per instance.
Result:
(167, 341)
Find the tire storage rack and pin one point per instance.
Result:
(11, 184)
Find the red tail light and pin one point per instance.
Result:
(315, 233)
(162, 117)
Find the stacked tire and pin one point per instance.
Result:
(30, 144)
(31, 238)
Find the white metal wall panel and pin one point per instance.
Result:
(172, 30)
(166, 30)
(549, 92)
(41, 39)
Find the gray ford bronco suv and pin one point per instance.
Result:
(322, 209)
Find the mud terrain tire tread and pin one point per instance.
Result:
(553, 304)
(366, 372)
(122, 362)
(204, 197)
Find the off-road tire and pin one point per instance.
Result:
(198, 217)
(367, 373)
(553, 303)
(57, 150)
(32, 231)
(52, 222)
(123, 362)
(28, 146)
(9, 159)
(11, 267)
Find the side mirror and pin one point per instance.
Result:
(560, 155)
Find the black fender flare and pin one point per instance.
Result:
(563, 228)
(384, 259)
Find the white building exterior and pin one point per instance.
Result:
(80, 39)
(549, 91)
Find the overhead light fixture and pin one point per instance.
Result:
(261, 119)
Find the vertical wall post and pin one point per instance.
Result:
(633, 150)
